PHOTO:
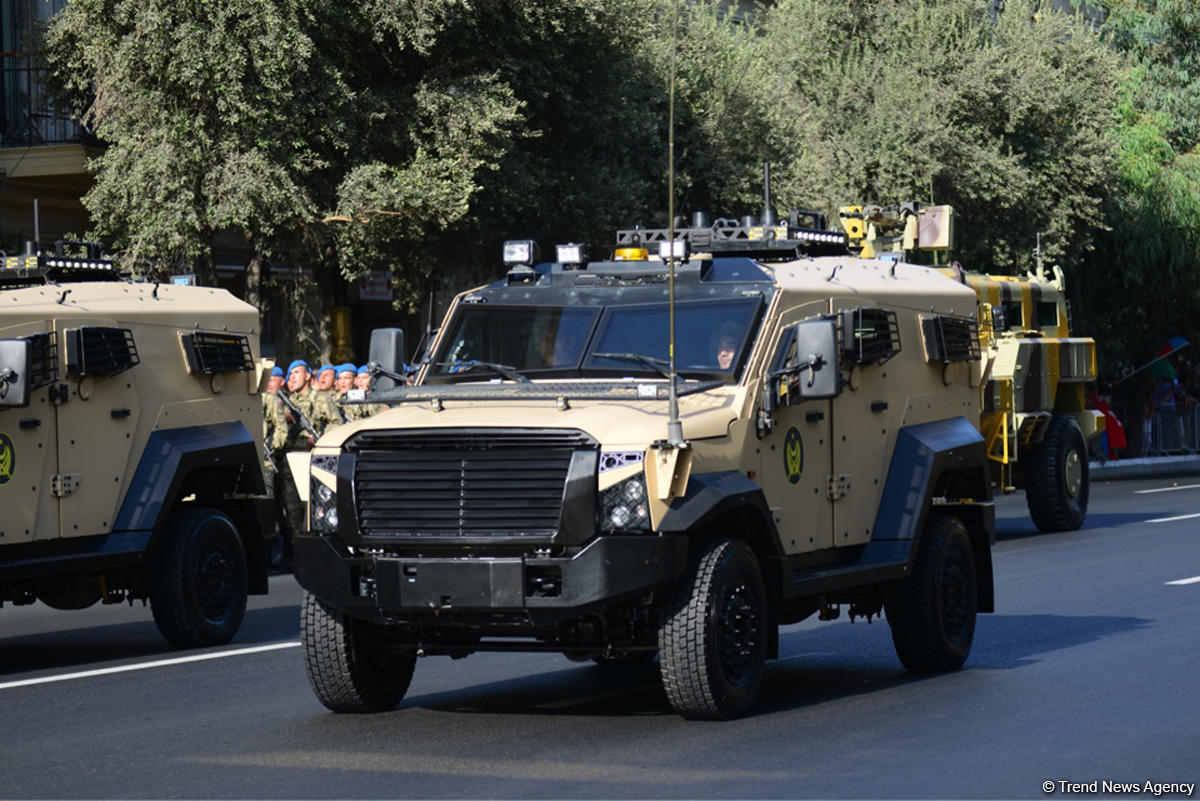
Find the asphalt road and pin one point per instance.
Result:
(1089, 671)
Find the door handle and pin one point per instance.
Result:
(117, 414)
(813, 417)
(26, 425)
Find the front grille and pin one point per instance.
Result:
(474, 484)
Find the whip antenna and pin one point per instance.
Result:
(674, 426)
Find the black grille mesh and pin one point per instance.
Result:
(475, 484)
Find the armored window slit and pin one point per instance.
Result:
(210, 352)
(43, 367)
(869, 336)
(100, 351)
(950, 339)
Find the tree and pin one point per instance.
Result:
(1002, 115)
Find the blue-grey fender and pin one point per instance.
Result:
(167, 460)
(943, 459)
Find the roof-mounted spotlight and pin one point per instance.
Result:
(571, 256)
(520, 251)
(673, 249)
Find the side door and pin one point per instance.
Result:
(796, 456)
(861, 430)
(96, 424)
(28, 437)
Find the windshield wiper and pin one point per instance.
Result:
(500, 369)
(658, 365)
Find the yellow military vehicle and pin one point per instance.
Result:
(130, 441)
(1034, 416)
(550, 483)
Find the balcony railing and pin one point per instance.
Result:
(28, 115)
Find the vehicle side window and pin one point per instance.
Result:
(100, 351)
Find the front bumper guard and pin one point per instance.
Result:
(543, 590)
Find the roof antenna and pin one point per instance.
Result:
(768, 214)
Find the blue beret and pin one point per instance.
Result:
(325, 367)
(295, 364)
(276, 370)
(364, 369)
(346, 367)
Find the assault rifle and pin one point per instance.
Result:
(297, 415)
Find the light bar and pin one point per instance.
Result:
(673, 249)
(520, 251)
(571, 254)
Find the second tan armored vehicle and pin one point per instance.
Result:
(130, 433)
(529, 493)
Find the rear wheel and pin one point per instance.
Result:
(198, 580)
(352, 665)
(932, 612)
(1056, 477)
(713, 632)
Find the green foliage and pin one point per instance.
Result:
(1142, 285)
(211, 114)
(932, 100)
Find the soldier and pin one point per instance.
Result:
(295, 430)
(270, 400)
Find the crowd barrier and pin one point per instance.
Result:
(1174, 431)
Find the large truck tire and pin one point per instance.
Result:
(350, 663)
(932, 612)
(1056, 477)
(712, 634)
(198, 579)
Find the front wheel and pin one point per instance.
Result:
(932, 612)
(1056, 477)
(198, 579)
(712, 634)
(352, 665)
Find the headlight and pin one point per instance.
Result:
(322, 508)
(623, 506)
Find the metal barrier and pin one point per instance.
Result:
(1174, 431)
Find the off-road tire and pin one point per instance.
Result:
(1056, 477)
(198, 578)
(351, 665)
(712, 634)
(932, 612)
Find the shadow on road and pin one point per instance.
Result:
(81, 647)
(818, 665)
(1016, 528)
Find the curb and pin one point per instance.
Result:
(1145, 467)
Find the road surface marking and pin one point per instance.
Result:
(1166, 489)
(1181, 582)
(1173, 519)
(181, 660)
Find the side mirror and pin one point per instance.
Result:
(814, 372)
(387, 350)
(819, 375)
(16, 356)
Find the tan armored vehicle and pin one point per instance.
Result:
(1034, 417)
(130, 430)
(529, 493)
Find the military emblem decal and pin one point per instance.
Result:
(793, 455)
(8, 459)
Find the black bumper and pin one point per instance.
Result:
(540, 591)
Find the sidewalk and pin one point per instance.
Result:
(1146, 467)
